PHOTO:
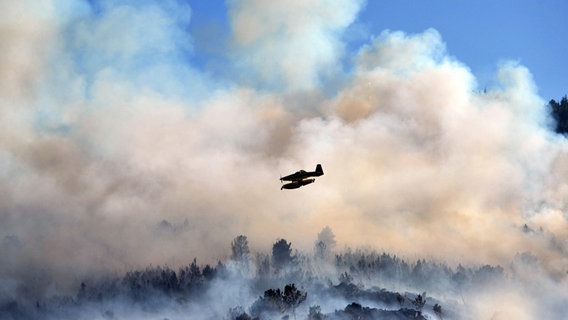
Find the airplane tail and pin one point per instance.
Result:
(319, 170)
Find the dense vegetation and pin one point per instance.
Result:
(559, 111)
(360, 284)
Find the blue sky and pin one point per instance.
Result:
(482, 34)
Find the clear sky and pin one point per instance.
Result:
(481, 34)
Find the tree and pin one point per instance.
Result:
(275, 300)
(559, 111)
(240, 249)
(321, 250)
(271, 302)
(281, 254)
(438, 310)
(315, 313)
(327, 236)
(293, 297)
(238, 313)
(208, 273)
(190, 277)
(262, 265)
(325, 243)
(420, 301)
(418, 272)
(240, 252)
(345, 278)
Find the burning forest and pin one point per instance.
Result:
(325, 284)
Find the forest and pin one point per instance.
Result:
(281, 284)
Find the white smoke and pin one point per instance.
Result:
(291, 44)
(107, 128)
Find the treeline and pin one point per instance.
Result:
(559, 112)
(360, 268)
(392, 271)
(143, 285)
(355, 276)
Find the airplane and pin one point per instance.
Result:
(299, 178)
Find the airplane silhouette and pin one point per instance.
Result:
(299, 178)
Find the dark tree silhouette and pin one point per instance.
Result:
(420, 301)
(345, 278)
(191, 278)
(281, 254)
(437, 309)
(293, 297)
(270, 302)
(559, 111)
(274, 300)
(209, 273)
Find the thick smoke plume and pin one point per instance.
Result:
(119, 151)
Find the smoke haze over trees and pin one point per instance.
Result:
(357, 284)
(120, 151)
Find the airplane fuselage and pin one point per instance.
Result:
(301, 175)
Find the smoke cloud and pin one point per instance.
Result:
(291, 44)
(108, 126)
